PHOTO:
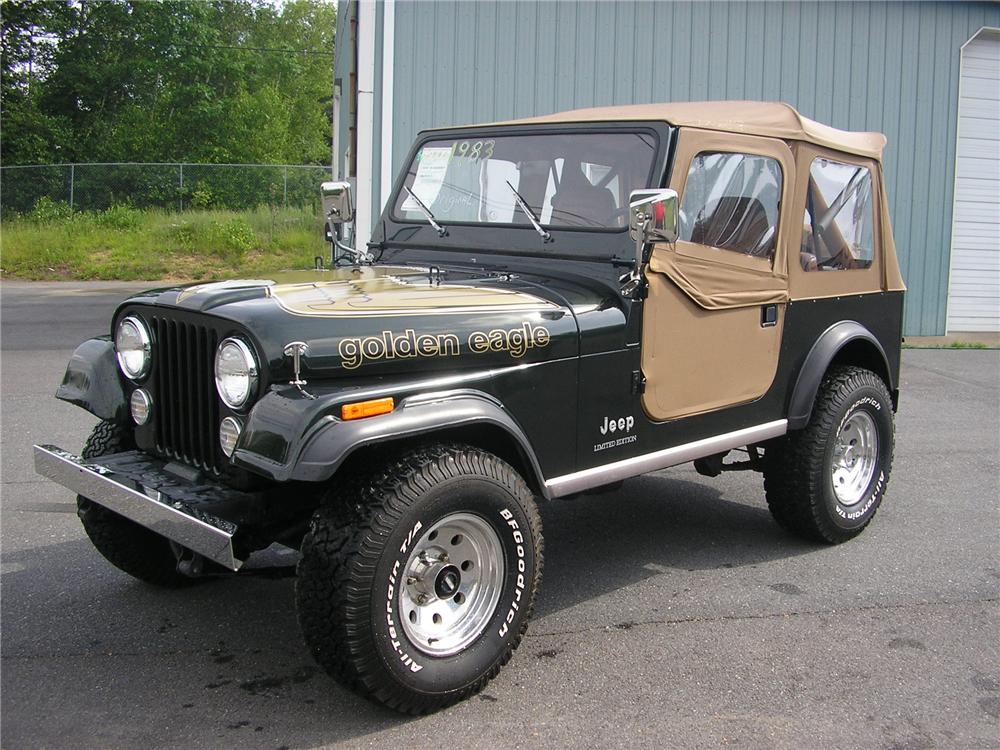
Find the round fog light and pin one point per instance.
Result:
(141, 405)
(229, 433)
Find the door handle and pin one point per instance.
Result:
(768, 316)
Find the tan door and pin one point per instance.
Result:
(715, 310)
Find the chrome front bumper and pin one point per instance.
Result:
(209, 536)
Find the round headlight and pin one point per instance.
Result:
(141, 404)
(229, 433)
(132, 345)
(235, 372)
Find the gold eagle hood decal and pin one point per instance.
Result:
(404, 292)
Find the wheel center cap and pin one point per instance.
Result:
(447, 582)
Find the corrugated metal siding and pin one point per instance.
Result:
(974, 299)
(342, 63)
(892, 67)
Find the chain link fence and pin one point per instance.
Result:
(172, 187)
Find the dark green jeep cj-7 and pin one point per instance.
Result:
(547, 307)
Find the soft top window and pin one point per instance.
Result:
(568, 180)
(839, 224)
(731, 202)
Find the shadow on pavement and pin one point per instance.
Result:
(236, 641)
(601, 543)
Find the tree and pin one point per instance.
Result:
(127, 80)
(28, 32)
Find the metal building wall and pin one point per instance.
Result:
(886, 66)
(343, 63)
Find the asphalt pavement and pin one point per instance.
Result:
(674, 613)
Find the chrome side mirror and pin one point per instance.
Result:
(338, 209)
(652, 217)
(337, 205)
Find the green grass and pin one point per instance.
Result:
(967, 345)
(952, 345)
(128, 244)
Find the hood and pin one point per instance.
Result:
(385, 319)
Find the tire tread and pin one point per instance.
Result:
(794, 464)
(131, 548)
(336, 572)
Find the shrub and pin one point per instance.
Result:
(47, 210)
(119, 216)
(237, 235)
(201, 196)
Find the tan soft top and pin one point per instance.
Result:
(774, 119)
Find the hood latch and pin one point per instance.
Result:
(296, 350)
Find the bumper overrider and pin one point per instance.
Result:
(140, 489)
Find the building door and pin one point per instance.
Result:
(974, 287)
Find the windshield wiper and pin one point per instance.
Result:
(529, 213)
(426, 212)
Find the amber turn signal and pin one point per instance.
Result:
(363, 409)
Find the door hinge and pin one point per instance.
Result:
(638, 383)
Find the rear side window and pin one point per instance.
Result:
(731, 202)
(839, 226)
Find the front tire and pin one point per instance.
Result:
(417, 581)
(825, 483)
(131, 548)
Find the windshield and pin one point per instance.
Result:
(567, 180)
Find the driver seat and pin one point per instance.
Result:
(579, 202)
(738, 223)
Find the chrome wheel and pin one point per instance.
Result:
(855, 456)
(451, 584)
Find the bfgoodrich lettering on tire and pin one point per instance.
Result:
(417, 581)
(826, 482)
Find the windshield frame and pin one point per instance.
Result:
(657, 170)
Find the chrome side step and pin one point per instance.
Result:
(632, 467)
(208, 536)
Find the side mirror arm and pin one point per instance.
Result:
(338, 209)
(634, 284)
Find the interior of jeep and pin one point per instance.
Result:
(838, 226)
(738, 223)
(566, 179)
(731, 203)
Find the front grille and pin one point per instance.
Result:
(187, 414)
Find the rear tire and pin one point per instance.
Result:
(417, 581)
(825, 483)
(131, 548)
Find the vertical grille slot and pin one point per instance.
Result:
(184, 389)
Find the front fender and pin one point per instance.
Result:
(293, 438)
(92, 382)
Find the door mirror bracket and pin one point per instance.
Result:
(652, 217)
(338, 209)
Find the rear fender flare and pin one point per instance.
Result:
(818, 361)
